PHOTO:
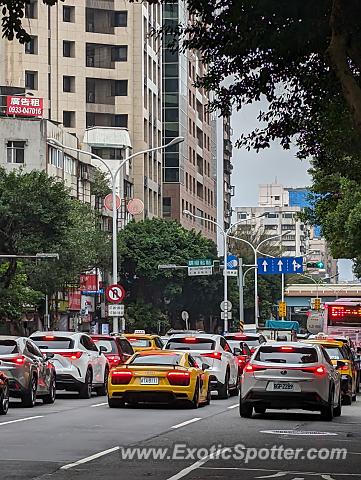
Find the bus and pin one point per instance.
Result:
(342, 318)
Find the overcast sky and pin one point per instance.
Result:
(273, 164)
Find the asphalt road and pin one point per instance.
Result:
(83, 439)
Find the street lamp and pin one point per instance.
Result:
(226, 235)
(113, 176)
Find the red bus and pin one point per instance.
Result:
(343, 319)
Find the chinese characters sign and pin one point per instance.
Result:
(24, 106)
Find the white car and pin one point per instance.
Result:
(79, 365)
(287, 375)
(216, 353)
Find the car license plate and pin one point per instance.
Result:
(149, 380)
(283, 386)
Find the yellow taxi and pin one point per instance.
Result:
(344, 363)
(160, 376)
(140, 341)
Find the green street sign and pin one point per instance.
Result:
(200, 262)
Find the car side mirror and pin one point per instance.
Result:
(237, 352)
(48, 355)
(205, 366)
(102, 349)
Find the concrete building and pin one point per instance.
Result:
(95, 64)
(189, 169)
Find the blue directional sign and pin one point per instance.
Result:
(232, 262)
(279, 265)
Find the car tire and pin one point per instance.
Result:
(245, 409)
(49, 398)
(327, 410)
(209, 395)
(223, 391)
(338, 410)
(4, 400)
(115, 403)
(86, 389)
(103, 390)
(28, 398)
(195, 401)
(260, 410)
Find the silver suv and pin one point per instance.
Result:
(29, 372)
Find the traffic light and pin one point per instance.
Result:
(316, 303)
(315, 264)
(282, 309)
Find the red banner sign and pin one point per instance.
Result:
(89, 282)
(74, 299)
(24, 106)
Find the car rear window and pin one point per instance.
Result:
(53, 343)
(190, 343)
(249, 339)
(156, 360)
(139, 342)
(283, 354)
(108, 343)
(334, 353)
(8, 346)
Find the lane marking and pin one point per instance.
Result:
(299, 433)
(194, 466)
(233, 406)
(99, 405)
(295, 472)
(183, 424)
(21, 420)
(89, 459)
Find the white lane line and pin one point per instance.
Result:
(89, 459)
(194, 466)
(295, 472)
(183, 424)
(233, 406)
(21, 420)
(99, 405)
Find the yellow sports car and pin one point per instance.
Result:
(144, 341)
(159, 376)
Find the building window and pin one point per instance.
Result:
(31, 9)
(121, 120)
(68, 119)
(56, 157)
(68, 48)
(68, 14)
(15, 151)
(120, 53)
(31, 80)
(68, 84)
(121, 19)
(120, 88)
(31, 47)
(167, 206)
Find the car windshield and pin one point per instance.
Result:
(294, 355)
(156, 360)
(53, 343)
(140, 342)
(334, 353)
(191, 343)
(108, 343)
(8, 346)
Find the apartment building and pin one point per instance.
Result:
(95, 65)
(189, 169)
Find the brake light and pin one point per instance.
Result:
(242, 358)
(71, 355)
(178, 378)
(250, 367)
(343, 368)
(190, 340)
(121, 377)
(320, 371)
(19, 360)
(49, 337)
(113, 358)
(287, 349)
(214, 355)
(237, 337)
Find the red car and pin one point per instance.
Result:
(243, 352)
(117, 348)
(4, 394)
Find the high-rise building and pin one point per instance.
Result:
(95, 64)
(189, 169)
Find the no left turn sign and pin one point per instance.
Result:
(115, 293)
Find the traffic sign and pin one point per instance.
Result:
(226, 306)
(200, 262)
(92, 292)
(279, 265)
(116, 310)
(115, 293)
(226, 315)
(108, 202)
(197, 271)
(185, 315)
(135, 206)
(232, 266)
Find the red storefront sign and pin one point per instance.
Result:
(89, 282)
(24, 106)
(74, 296)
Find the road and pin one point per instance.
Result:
(80, 439)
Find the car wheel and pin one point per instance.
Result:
(115, 403)
(209, 395)
(234, 391)
(245, 409)
(260, 410)
(86, 389)
(327, 411)
(338, 410)
(50, 397)
(195, 402)
(223, 391)
(29, 397)
(103, 390)
(4, 400)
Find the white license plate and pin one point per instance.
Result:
(283, 386)
(149, 380)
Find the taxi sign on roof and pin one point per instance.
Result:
(139, 331)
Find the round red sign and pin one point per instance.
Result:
(108, 202)
(135, 206)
